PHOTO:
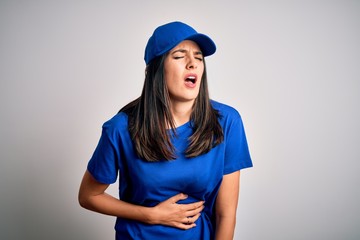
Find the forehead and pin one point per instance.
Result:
(187, 45)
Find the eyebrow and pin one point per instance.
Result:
(181, 50)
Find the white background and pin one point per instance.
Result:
(291, 68)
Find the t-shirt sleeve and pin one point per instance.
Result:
(237, 155)
(103, 164)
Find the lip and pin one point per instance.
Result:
(191, 84)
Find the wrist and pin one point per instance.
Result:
(149, 215)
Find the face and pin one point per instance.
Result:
(184, 67)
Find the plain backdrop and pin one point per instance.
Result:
(291, 68)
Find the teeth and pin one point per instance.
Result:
(191, 79)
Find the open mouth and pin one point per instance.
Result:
(191, 79)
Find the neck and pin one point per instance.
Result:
(181, 112)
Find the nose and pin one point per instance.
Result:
(192, 64)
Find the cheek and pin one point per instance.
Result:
(171, 79)
(173, 76)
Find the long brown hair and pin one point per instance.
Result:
(149, 118)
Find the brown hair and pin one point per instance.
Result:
(149, 115)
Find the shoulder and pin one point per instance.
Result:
(117, 123)
(225, 111)
(229, 118)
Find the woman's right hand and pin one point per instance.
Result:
(182, 216)
(92, 196)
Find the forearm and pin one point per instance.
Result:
(92, 196)
(226, 205)
(107, 204)
(225, 226)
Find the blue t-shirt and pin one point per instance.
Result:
(149, 183)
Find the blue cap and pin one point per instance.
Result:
(167, 36)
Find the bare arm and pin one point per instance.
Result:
(226, 205)
(92, 196)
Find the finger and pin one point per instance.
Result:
(194, 212)
(186, 226)
(178, 197)
(193, 206)
(191, 220)
(195, 217)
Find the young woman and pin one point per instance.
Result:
(178, 153)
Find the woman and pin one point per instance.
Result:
(178, 153)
